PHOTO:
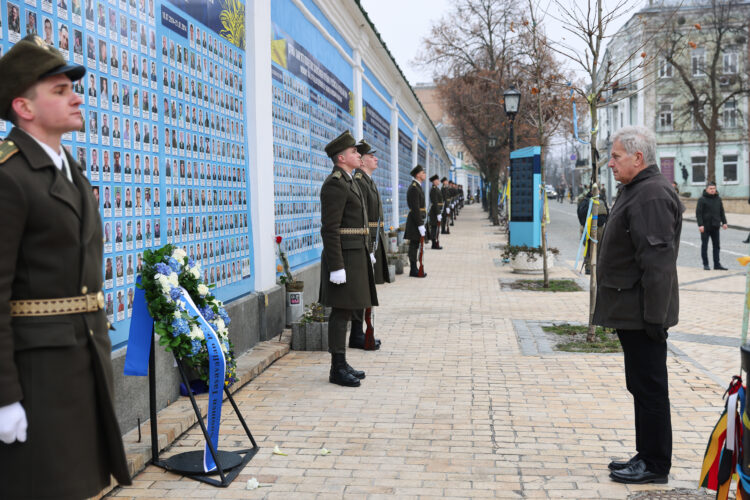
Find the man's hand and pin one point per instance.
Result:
(700, 228)
(422, 230)
(372, 258)
(440, 217)
(13, 423)
(338, 277)
(724, 226)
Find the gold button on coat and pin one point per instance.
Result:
(84, 290)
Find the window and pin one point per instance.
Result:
(730, 168)
(730, 63)
(729, 115)
(698, 60)
(665, 117)
(665, 69)
(460, 155)
(698, 164)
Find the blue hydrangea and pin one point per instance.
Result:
(224, 316)
(191, 262)
(195, 347)
(208, 313)
(175, 265)
(175, 293)
(163, 269)
(180, 326)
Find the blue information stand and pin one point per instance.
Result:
(526, 197)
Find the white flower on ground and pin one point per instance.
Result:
(277, 451)
(252, 483)
(324, 451)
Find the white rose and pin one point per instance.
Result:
(179, 254)
(202, 290)
(177, 315)
(220, 324)
(196, 333)
(224, 348)
(174, 279)
(196, 273)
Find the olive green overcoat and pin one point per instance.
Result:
(417, 213)
(374, 205)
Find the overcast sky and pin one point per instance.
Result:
(404, 23)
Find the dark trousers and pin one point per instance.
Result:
(435, 232)
(337, 330)
(646, 380)
(712, 233)
(444, 222)
(413, 249)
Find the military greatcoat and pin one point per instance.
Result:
(58, 367)
(436, 205)
(346, 244)
(374, 205)
(415, 201)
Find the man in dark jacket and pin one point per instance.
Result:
(709, 213)
(436, 212)
(415, 228)
(638, 295)
(374, 205)
(346, 275)
(59, 436)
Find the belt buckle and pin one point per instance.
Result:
(95, 302)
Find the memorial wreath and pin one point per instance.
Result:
(167, 275)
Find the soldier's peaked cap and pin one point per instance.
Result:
(416, 170)
(434, 177)
(27, 62)
(443, 179)
(340, 143)
(363, 148)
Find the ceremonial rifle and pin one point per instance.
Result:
(369, 314)
(420, 273)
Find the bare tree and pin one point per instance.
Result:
(704, 44)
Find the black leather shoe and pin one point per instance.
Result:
(436, 247)
(358, 342)
(719, 267)
(357, 373)
(637, 473)
(618, 465)
(415, 274)
(706, 268)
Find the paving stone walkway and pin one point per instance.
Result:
(464, 401)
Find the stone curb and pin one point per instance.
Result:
(178, 417)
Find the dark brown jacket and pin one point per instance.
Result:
(374, 205)
(637, 263)
(342, 208)
(417, 213)
(59, 367)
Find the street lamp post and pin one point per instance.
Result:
(512, 100)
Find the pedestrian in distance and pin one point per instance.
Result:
(59, 436)
(347, 282)
(638, 295)
(709, 214)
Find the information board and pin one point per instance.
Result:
(377, 133)
(404, 167)
(522, 190)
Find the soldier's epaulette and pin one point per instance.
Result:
(337, 174)
(7, 150)
(358, 175)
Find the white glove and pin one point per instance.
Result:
(448, 210)
(13, 423)
(338, 277)
(372, 258)
(422, 230)
(440, 217)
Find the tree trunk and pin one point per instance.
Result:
(711, 158)
(492, 202)
(591, 336)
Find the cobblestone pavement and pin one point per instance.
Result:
(453, 407)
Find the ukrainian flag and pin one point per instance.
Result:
(278, 48)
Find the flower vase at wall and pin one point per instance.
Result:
(295, 301)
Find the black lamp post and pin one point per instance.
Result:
(512, 100)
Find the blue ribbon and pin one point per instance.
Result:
(217, 370)
(140, 335)
(584, 235)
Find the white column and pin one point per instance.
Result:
(429, 174)
(260, 140)
(394, 161)
(415, 146)
(357, 91)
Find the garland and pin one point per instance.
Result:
(166, 272)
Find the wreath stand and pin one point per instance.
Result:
(190, 464)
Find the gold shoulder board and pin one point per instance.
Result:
(358, 175)
(337, 174)
(7, 149)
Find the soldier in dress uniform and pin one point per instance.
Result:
(445, 192)
(415, 228)
(347, 282)
(436, 211)
(59, 437)
(369, 190)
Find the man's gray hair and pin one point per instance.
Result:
(635, 139)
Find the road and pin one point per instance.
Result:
(564, 234)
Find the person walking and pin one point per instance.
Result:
(346, 275)
(59, 436)
(374, 205)
(415, 228)
(709, 214)
(638, 295)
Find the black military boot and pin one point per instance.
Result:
(357, 336)
(414, 270)
(340, 372)
(359, 374)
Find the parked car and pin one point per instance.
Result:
(551, 193)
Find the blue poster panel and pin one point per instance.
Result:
(404, 167)
(311, 106)
(163, 141)
(377, 132)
